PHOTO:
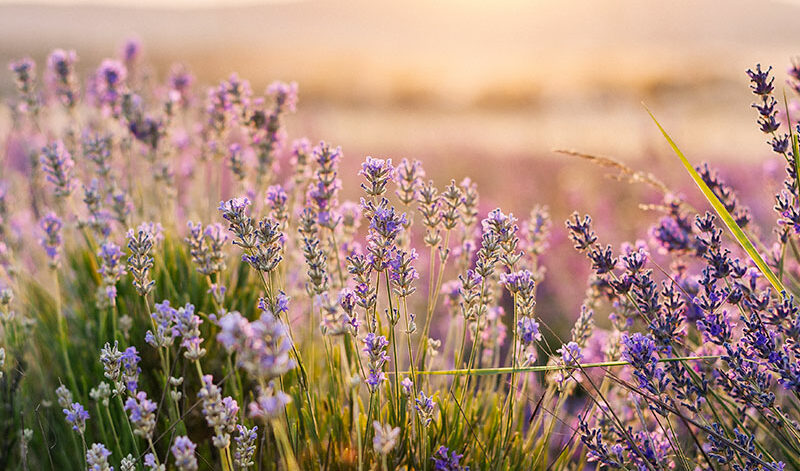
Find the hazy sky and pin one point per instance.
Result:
(151, 3)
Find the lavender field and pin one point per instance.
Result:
(193, 275)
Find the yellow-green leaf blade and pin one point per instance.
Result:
(723, 213)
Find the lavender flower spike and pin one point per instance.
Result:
(97, 458)
(57, 165)
(183, 451)
(51, 242)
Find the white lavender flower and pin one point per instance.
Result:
(101, 393)
(97, 458)
(128, 463)
(385, 438)
(64, 396)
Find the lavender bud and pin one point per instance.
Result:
(140, 243)
(408, 177)
(377, 172)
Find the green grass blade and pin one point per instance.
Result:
(540, 368)
(723, 213)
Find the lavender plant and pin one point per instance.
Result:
(291, 330)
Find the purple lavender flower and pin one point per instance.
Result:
(571, 354)
(446, 460)
(76, 416)
(528, 330)
(131, 51)
(267, 129)
(140, 243)
(377, 172)
(205, 247)
(523, 286)
(51, 242)
(164, 320)
(245, 446)
(403, 272)
(640, 351)
(180, 85)
(375, 348)
(130, 369)
(111, 268)
(183, 451)
(142, 414)
(408, 177)
(220, 412)
(234, 211)
(108, 86)
(385, 226)
(284, 94)
(187, 327)
(504, 229)
(25, 79)
(61, 76)
(269, 403)
(581, 232)
(598, 449)
(262, 346)
(424, 406)
(57, 165)
(322, 193)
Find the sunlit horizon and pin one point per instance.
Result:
(155, 4)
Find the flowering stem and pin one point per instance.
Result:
(393, 339)
(128, 422)
(113, 428)
(433, 295)
(62, 333)
(369, 417)
(153, 451)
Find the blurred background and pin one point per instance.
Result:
(486, 89)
